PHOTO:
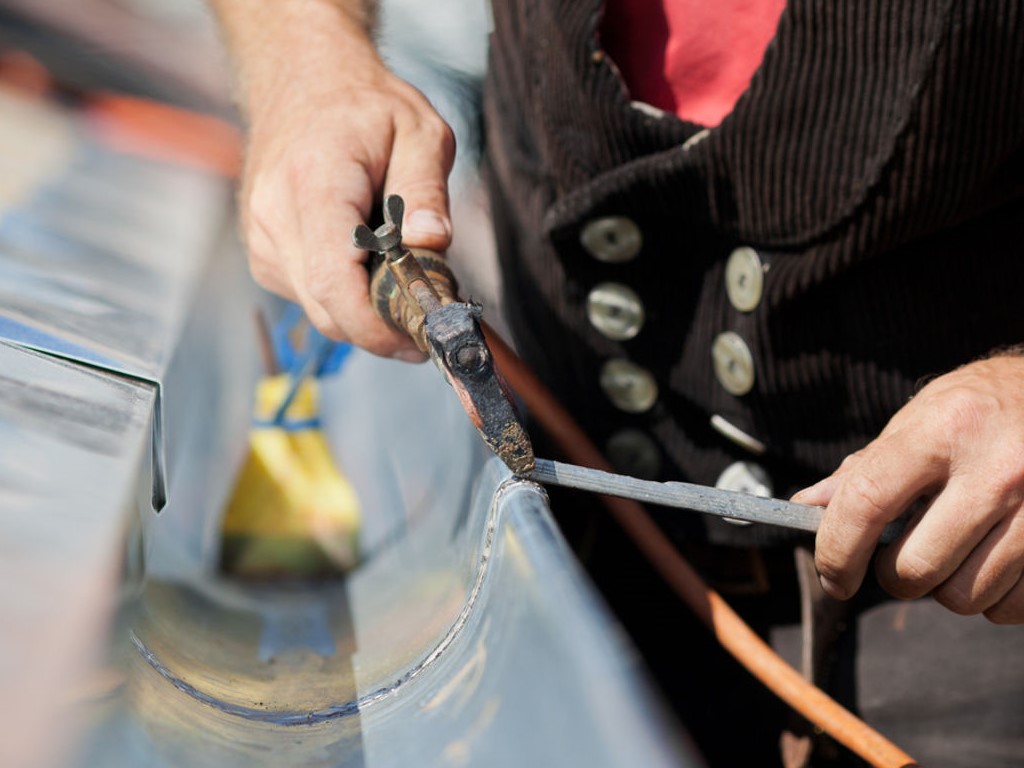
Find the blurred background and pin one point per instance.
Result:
(169, 50)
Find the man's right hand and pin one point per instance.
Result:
(331, 131)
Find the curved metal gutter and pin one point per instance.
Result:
(469, 636)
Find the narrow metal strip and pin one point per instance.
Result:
(699, 498)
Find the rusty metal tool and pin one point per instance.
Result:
(730, 505)
(417, 294)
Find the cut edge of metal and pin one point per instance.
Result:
(158, 448)
(368, 700)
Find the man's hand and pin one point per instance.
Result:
(331, 131)
(958, 446)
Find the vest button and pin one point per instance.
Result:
(737, 435)
(615, 310)
(733, 363)
(634, 453)
(612, 239)
(745, 477)
(744, 279)
(630, 388)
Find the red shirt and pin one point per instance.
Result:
(691, 57)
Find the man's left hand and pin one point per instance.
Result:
(958, 448)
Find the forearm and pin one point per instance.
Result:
(330, 131)
(305, 44)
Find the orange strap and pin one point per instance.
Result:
(730, 630)
(137, 125)
(163, 132)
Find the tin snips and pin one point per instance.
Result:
(417, 294)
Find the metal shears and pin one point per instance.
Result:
(416, 293)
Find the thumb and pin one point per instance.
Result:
(418, 171)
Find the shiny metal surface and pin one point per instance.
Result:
(468, 637)
(98, 262)
(115, 274)
(101, 250)
(740, 496)
(72, 442)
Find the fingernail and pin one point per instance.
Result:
(409, 356)
(832, 589)
(424, 222)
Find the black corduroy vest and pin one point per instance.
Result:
(874, 164)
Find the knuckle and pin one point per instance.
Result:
(320, 289)
(1006, 483)
(863, 491)
(851, 460)
(301, 167)
(442, 133)
(324, 323)
(326, 284)
(263, 210)
(434, 125)
(428, 127)
(964, 411)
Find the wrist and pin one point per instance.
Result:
(297, 50)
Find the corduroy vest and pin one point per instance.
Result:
(874, 164)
